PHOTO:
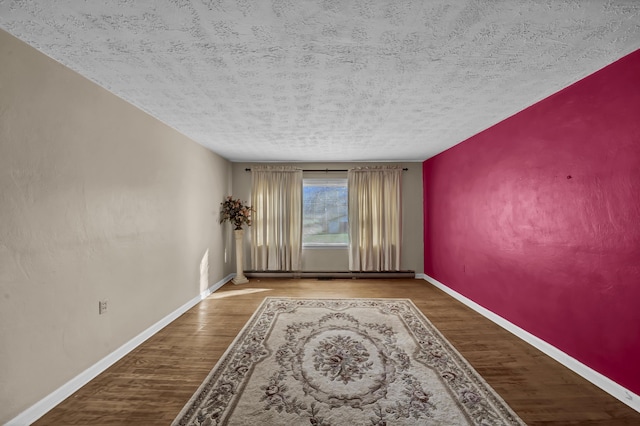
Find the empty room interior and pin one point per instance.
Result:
(511, 128)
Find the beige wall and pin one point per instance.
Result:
(325, 259)
(97, 201)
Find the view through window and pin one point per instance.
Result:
(325, 212)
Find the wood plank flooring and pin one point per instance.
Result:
(151, 384)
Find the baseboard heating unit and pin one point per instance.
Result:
(330, 274)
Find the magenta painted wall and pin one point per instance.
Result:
(538, 220)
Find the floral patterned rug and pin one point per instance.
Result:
(343, 362)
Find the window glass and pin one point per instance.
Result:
(324, 213)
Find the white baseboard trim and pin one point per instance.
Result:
(603, 382)
(41, 407)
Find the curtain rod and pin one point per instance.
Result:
(322, 170)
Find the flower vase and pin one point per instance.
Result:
(239, 278)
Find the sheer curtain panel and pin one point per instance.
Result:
(276, 196)
(375, 218)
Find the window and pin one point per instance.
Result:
(325, 212)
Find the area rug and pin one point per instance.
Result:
(330, 362)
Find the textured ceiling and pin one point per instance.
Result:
(329, 80)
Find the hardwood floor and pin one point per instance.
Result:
(151, 384)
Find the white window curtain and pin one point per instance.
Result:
(375, 218)
(276, 196)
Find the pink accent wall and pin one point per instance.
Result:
(538, 220)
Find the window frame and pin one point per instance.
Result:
(338, 182)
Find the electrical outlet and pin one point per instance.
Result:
(102, 307)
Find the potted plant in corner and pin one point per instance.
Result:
(236, 212)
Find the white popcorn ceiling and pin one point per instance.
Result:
(329, 80)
